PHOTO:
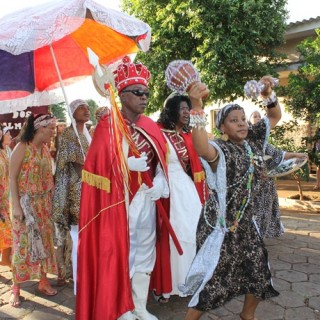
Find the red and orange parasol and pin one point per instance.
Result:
(44, 47)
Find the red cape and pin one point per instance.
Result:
(103, 282)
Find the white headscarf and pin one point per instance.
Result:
(74, 105)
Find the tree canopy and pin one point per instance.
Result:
(59, 110)
(229, 41)
(92, 107)
(303, 90)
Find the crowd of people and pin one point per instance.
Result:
(139, 207)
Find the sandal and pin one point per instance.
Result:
(15, 296)
(160, 299)
(61, 281)
(45, 287)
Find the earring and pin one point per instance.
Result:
(224, 137)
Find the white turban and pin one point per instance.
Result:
(74, 105)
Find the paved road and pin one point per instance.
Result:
(295, 264)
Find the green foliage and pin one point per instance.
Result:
(303, 88)
(282, 137)
(59, 110)
(228, 41)
(216, 133)
(92, 107)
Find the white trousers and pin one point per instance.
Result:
(74, 236)
(142, 228)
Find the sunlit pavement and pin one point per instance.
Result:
(295, 265)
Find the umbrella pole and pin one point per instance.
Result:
(65, 97)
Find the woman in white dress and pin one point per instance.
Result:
(187, 191)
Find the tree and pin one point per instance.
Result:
(59, 110)
(92, 107)
(228, 41)
(303, 90)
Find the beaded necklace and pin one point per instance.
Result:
(245, 201)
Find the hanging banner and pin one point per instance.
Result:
(16, 119)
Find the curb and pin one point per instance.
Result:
(299, 205)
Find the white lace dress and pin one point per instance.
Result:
(185, 208)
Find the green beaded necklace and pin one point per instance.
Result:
(246, 199)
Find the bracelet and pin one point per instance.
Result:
(214, 159)
(272, 104)
(198, 119)
(271, 99)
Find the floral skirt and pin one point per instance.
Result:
(23, 266)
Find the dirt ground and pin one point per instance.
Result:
(287, 187)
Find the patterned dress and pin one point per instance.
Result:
(33, 250)
(66, 201)
(267, 214)
(5, 222)
(242, 261)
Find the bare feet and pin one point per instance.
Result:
(45, 287)
(15, 296)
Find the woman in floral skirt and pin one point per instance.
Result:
(31, 184)
(5, 223)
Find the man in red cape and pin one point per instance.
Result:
(117, 227)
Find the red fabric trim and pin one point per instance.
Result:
(196, 167)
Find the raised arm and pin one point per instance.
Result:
(197, 120)
(271, 101)
(290, 155)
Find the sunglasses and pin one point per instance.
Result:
(138, 92)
